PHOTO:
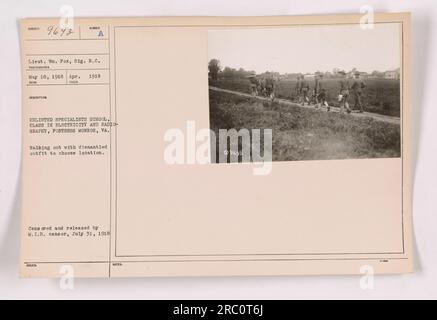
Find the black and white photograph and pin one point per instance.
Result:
(325, 91)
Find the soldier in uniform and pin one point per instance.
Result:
(259, 88)
(270, 87)
(315, 92)
(344, 92)
(358, 87)
(304, 89)
(320, 92)
(253, 85)
(297, 92)
(263, 87)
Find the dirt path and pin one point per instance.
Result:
(378, 117)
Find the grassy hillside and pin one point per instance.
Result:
(306, 134)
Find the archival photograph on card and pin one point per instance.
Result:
(305, 93)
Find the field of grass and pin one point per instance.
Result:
(381, 96)
(306, 134)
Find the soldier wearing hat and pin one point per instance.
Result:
(358, 87)
(304, 89)
(270, 88)
(260, 86)
(344, 92)
(320, 92)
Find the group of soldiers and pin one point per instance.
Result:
(264, 87)
(317, 95)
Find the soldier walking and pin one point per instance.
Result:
(304, 89)
(316, 90)
(344, 93)
(296, 95)
(320, 92)
(270, 87)
(358, 87)
(253, 85)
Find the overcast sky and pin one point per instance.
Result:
(308, 48)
